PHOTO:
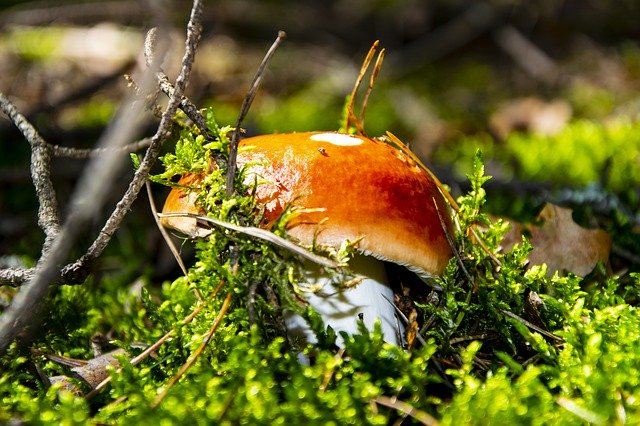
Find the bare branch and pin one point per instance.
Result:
(246, 104)
(163, 132)
(48, 215)
(78, 153)
(532, 326)
(91, 192)
(154, 62)
(15, 276)
(89, 196)
(163, 231)
(185, 105)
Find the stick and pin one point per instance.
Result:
(246, 104)
(263, 235)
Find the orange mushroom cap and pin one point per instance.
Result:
(347, 187)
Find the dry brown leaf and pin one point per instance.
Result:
(561, 243)
(531, 115)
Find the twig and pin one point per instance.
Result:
(531, 325)
(482, 336)
(136, 360)
(246, 104)
(163, 231)
(163, 132)
(185, 105)
(154, 63)
(90, 194)
(48, 215)
(453, 247)
(403, 407)
(88, 197)
(15, 276)
(262, 234)
(79, 153)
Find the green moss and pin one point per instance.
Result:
(578, 155)
(479, 363)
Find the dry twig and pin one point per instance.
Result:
(90, 193)
(246, 104)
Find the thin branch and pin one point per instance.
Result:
(193, 37)
(163, 231)
(89, 196)
(155, 63)
(246, 104)
(81, 153)
(14, 277)
(453, 247)
(48, 215)
(185, 105)
(262, 234)
(531, 325)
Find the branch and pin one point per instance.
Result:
(91, 193)
(79, 153)
(185, 105)
(48, 216)
(14, 277)
(88, 197)
(154, 62)
(194, 30)
(246, 104)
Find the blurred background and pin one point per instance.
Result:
(548, 90)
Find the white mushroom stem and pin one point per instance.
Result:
(369, 301)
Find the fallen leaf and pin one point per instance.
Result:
(531, 115)
(560, 243)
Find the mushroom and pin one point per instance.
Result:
(346, 187)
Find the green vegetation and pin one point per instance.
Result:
(480, 362)
(576, 156)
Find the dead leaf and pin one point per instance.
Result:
(531, 115)
(95, 371)
(561, 243)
